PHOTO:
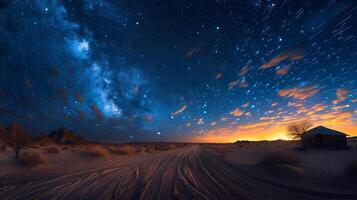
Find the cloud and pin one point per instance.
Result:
(299, 92)
(233, 84)
(276, 60)
(237, 112)
(183, 108)
(340, 107)
(292, 55)
(341, 95)
(245, 104)
(244, 71)
(283, 71)
(98, 114)
(242, 83)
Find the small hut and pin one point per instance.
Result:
(322, 137)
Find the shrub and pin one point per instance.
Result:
(280, 158)
(122, 150)
(53, 149)
(97, 151)
(351, 170)
(33, 147)
(17, 138)
(32, 159)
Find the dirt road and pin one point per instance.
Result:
(191, 172)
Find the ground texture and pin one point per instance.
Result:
(191, 172)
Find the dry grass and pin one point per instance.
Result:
(33, 159)
(122, 150)
(351, 170)
(53, 149)
(280, 158)
(97, 151)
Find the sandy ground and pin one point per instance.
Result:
(207, 171)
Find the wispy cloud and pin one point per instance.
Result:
(299, 92)
(283, 71)
(341, 95)
(183, 108)
(237, 112)
(244, 71)
(294, 54)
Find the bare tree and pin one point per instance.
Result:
(17, 138)
(298, 129)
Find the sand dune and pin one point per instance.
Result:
(191, 172)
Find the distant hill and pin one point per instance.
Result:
(61, 136)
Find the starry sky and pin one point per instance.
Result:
(178, 70)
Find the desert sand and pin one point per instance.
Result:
(193, 171)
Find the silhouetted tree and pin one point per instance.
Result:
(17, 138)
(298, 129)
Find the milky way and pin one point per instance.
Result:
(178, 70)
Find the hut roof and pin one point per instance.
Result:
(321, 130)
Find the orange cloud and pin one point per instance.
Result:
(276, 60)
(294, 54)
(183, 108)
(283, 71)
(295, 104)
(299, 92)
(340, 107)
(237, 112)
(341, 95)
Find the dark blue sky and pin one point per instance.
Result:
(132, 70)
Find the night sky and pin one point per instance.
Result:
(178, 70)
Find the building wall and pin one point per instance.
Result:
(324, 141)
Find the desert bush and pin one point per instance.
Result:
(280, 158)
(53, 149)
(33, 147)
(122, 150)
(32, 159)
(97, 151)
(127, 149)
(351, 170)
(17, 138)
